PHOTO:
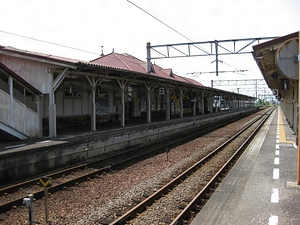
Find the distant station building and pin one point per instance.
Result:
(42, 95)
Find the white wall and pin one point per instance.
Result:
(21, 117)
(33, 72)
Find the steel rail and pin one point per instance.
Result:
(211, 184)
(179, 179)
(136, 153)
(22, 184)
(17, 186)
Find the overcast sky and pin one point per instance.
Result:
(119, 25)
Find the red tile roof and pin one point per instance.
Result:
(113, 60)
(131, 63)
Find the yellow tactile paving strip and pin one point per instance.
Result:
(282, 136)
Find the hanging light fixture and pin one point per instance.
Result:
(70, 88)
(98, 89)
(285, 84)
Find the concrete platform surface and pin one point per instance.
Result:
(261, 188)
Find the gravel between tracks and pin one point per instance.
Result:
(102, 198)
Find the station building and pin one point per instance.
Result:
(42, 95)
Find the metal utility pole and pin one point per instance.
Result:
(249, 82)
(206, 48)
(217, 58)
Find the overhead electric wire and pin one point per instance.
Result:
(48, 42)
(167, 26)
(160, 21)
(235, 70)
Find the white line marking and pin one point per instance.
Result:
(277, 141)
(277, 147)
(276, 152)
(276, 161)
(14, 146)
(47, 141)
(277, 136)
(273, 220)
(275, 195)
(276, 174)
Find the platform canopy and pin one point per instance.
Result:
(278, 62)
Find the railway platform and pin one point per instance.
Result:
(30, 158)
(261, 188)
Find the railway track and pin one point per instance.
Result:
(12, 196)
(186, 193)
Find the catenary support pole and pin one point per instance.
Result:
(148, 63)
(217, 58)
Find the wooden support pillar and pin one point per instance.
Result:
(52, 114)
(199, 103)
(217, 103)
(149, 89)
(168, 107)
(298, 177)
(93, 107)
(211, 106)
(148, 106)
(194, 106)
(11, 102)
(123, 85)
(52, 106)
(181, 102)
(39, 112)
(203, 103)
(93, 84)
(123, 107)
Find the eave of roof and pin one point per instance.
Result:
(276, 41)
(46, 58)
(164, 81)
(264, 55)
